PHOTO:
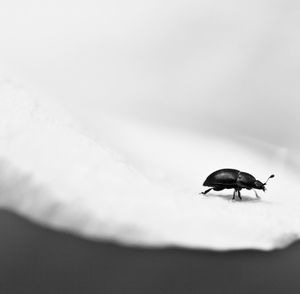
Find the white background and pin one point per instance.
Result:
(231, 66)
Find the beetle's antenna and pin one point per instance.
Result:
(270, 177)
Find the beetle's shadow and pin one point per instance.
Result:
(228, 197)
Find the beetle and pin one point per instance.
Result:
(229, 178)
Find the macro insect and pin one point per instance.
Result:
(228, 178)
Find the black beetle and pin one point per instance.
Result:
(228, 178)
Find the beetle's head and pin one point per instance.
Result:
(261, 186)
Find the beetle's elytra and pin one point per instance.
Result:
(228, 178)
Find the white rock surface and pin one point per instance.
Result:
(138, 184)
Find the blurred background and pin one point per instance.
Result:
(227, 66)
(38, 260)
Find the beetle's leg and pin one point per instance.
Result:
(206, 191)
(239, 194)
(233, 194)
(257, 196)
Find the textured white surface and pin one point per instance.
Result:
(136, 183)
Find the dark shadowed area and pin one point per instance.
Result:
(39, 260)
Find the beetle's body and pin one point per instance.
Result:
(228, 178)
